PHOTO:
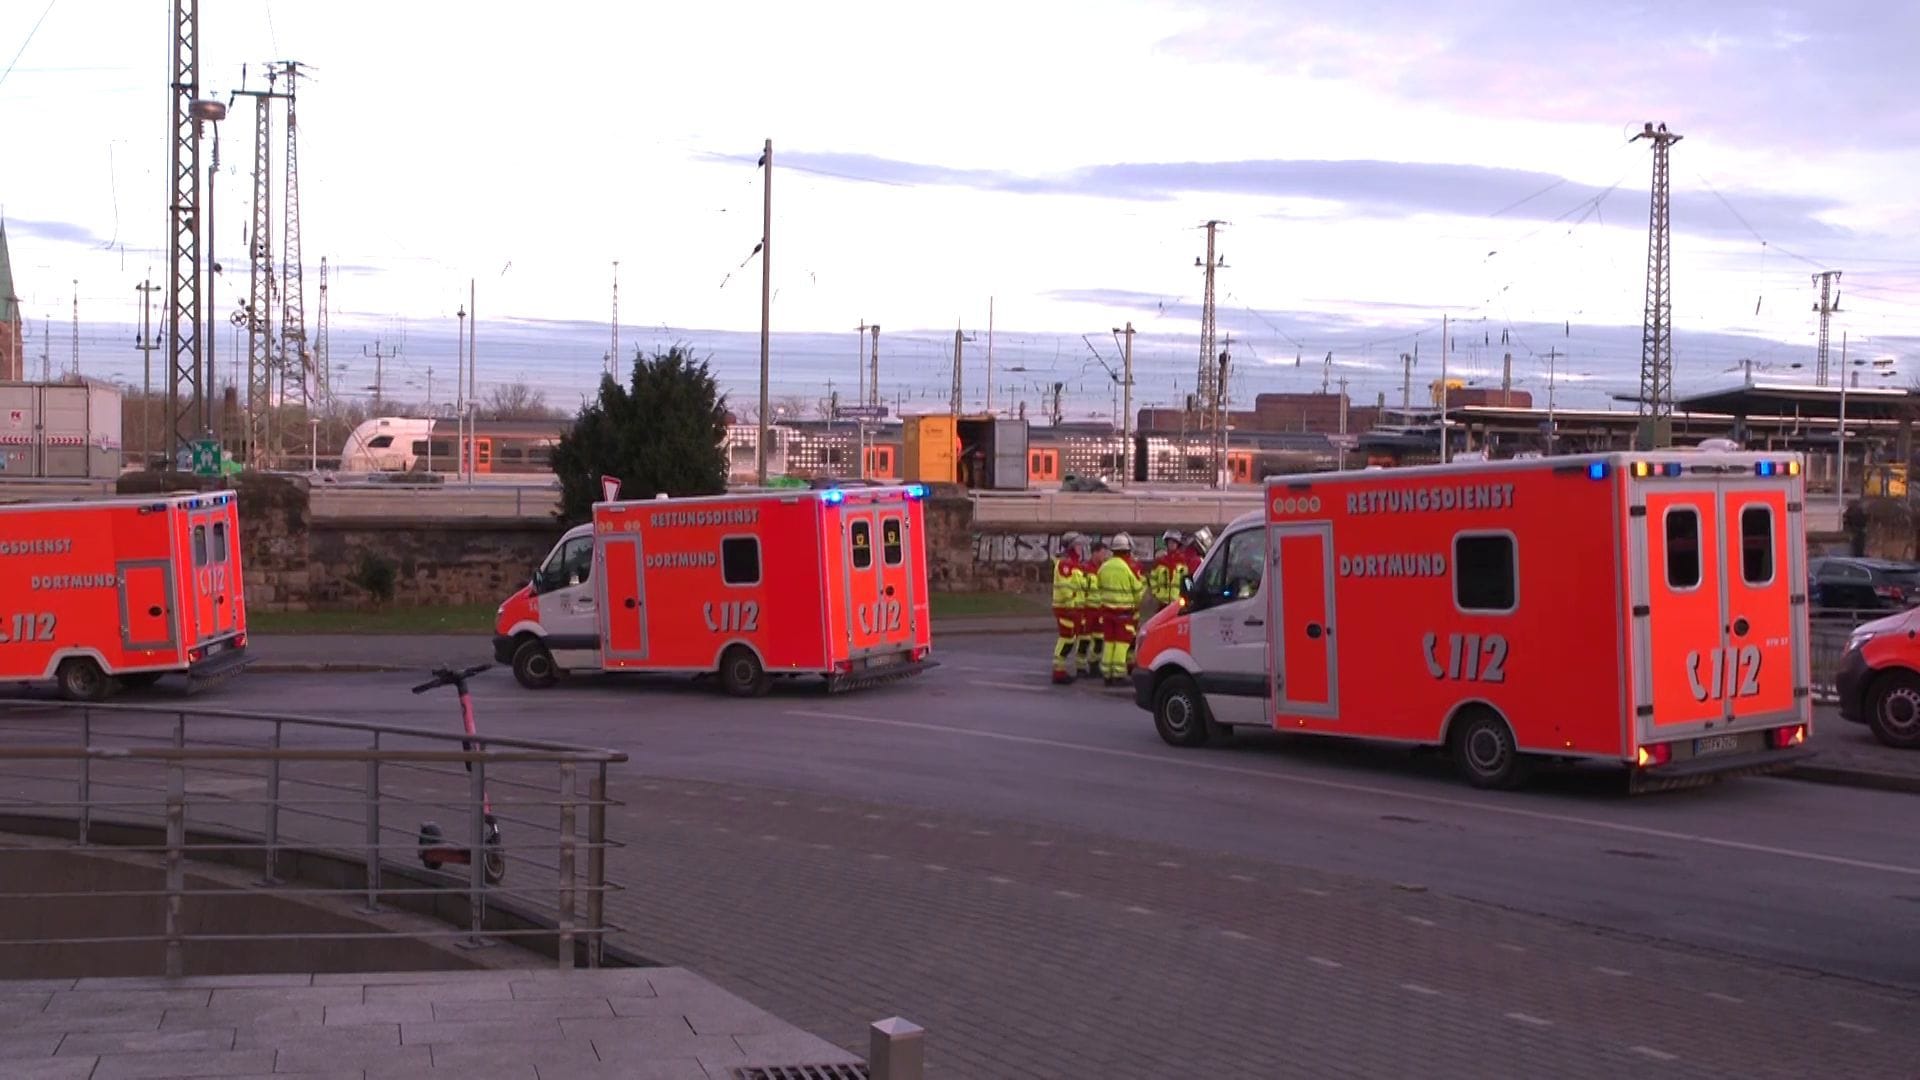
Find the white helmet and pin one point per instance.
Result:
(1121, 542)
(1203, 539)
(1170, 537)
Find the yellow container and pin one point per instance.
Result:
(930, 443)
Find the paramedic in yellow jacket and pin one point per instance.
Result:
(1069, 593)
(1163, 580)
(1120, 587)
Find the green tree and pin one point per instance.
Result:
(662, 432)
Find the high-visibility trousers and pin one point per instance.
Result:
(1120, 625)
(1092, 637)
(1067, 645)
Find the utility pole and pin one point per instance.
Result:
(1326, 373)
(1506, 373)
(1553, 429)
(613, 367)
(1656, 338)
(293, 289)
(1406, 385)
(323, 375)
(260, 350)
(989, 397)
(766, 305)
(873, 375)
(460, 391)
(1446, 346)
(1343, 423)
(183, 240)
(76, 328)
(1218, 393)
(959, 336)
(473, 366)
(146, 345)
(1828, 304)
(1126, 409)
(1208, 399)
(1840, 482)
(379, 371)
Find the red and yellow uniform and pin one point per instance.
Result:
(1120, 586)
(1069, 589)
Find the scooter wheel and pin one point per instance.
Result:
(430, 840)
(495, 866)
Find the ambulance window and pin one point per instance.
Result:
(1485, 576)
(891, 549)
(220, 541)
(1683, 548)
(740, 560)
(862, 536)
(199, 545)
(1756, 545)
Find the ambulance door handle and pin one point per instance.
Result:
(1739, 628)
(1255, 622)
(155, 612)
(632, 603)
(1314, 630)
(889, 590)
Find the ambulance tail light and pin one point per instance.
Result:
(1657, 754)
(194, 654)
(920, 653)
(842, 667)
(1782, 738)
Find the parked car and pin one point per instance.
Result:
(1879, 679)
(1842, 583)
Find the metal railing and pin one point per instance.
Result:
(317, 808)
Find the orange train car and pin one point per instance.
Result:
(102, 594)
(749, 587)
(1646, 610)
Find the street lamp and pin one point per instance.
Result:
(207, 111)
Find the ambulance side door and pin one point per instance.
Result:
(565, 595)
(1227, 624)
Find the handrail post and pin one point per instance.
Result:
(270, 875)
(565, 921)
(176, 875)
(85, 798)
(477, 862)
(597, 864)
(373, 826)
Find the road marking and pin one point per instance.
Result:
(1657, 1055)
(821, 847)
(769, 836)
(935, 867)
(927, 824)
(826, 810)
(998, 880)
(1511, 947)
(980, 832)
(780, 802)
(721, 828)
(1616, 972)
(1100, 853)
(878, 856)
(1416, 988)
(1848, 1026)
(1040, 843)
(1065, 895)
(1314, 892)
(1236, 935)
(1528, 1018)
(1031, 689)
(1324, 962)
(1304, 780)
(1167, 864)
(1728, 998)
(874, 817)
(1138, 910)
(1418, 921)
(736, 798)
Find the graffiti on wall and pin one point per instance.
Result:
(1036, 547)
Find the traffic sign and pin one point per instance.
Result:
(609, 488)
(206, 457)
(861, 412)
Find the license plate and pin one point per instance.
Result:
(215, 647)
(884, 660)
(1716, 744)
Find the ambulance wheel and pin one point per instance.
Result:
(81, 679)
(533, 665)
(741, 674)
(1893, 710)
(1180, 713)
(1485, 752)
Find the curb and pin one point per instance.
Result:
(1844, 776)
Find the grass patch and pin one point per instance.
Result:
(986, 603)
(450, 619)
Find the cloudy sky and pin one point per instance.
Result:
(1379, 163)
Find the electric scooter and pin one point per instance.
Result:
(435, 852)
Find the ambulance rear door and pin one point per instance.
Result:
(878, 605)
(202, 609)
(224, 561)
(1715, 635)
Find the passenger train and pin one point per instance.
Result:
(813, 449)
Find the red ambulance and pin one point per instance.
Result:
(1642, 609)
(826, 582)
(118, 592)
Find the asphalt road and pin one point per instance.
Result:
(1029, 871)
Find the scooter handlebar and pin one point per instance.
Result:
(446, 676)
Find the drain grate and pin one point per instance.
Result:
(801, 1072)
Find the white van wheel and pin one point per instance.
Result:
(533, 665)
(1180, 713)
(741, 674)
(1485, 750)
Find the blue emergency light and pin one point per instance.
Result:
(1672, 468)
(1597, 470)
(834, 495)
(1764, 468)
(916, 491)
